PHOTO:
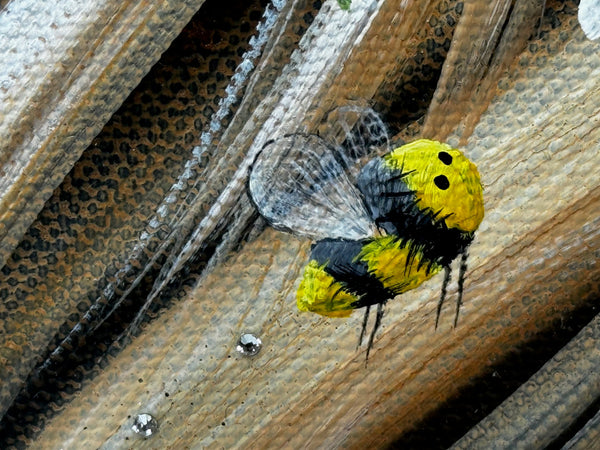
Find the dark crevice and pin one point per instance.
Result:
(440, 429)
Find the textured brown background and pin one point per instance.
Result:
(525, 113)
(87, 57)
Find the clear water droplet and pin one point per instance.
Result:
(248, 344)
(145, 425)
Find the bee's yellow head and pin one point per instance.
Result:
(444, 181)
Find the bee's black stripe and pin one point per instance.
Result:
(339, 256)
(395, 209)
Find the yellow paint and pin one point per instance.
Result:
(320, 293)
(388, 257)
(388, 261)
(463, 200)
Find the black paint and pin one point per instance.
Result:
(442, 182)
(445, 157)
(393, 207)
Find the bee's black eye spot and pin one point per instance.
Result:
(442, 182)
(445, 157)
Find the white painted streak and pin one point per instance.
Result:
(589, 18)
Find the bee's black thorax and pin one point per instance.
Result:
(394, 208)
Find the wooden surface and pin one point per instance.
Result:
(549, 403)
(535, 141)
(64, 70)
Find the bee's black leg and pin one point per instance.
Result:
(375, 328)
(364, 326)
(447, 273)
(461, 281)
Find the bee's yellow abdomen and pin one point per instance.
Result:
(319, 292)
(391, 261)
(391, 264)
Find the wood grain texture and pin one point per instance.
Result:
(91, 224)
(587, 437)
(64, 70)
(551, 401)
(535, 141)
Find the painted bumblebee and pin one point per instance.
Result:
(381, 230)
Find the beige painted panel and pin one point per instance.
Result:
(535, 258)
(65, 67)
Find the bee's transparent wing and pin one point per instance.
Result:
(301, 184)
(360, 131)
